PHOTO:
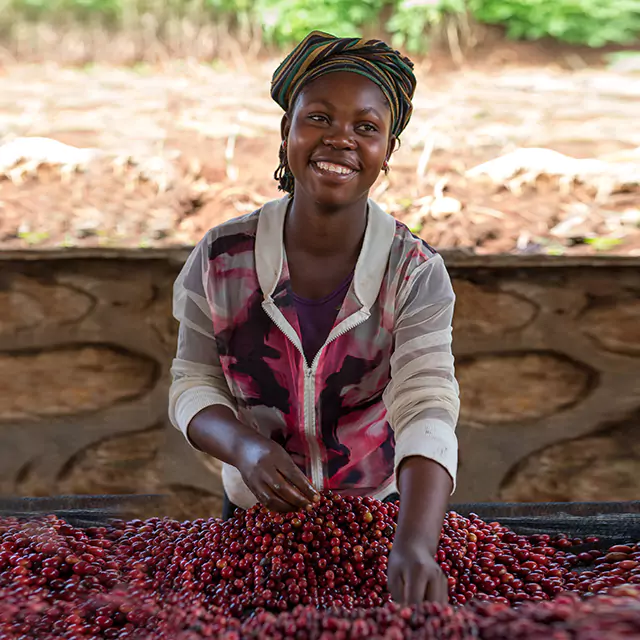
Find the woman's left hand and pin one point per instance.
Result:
(413, 574)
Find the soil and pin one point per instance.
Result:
(219, 131)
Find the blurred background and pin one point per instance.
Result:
(128, 128)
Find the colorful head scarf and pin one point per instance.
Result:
(320, 53)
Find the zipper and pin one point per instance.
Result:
(317, 472)
(344, 327)
(310, 427)
(316, 461)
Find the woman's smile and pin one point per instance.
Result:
(332, 171)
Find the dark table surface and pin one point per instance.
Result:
(613, 522)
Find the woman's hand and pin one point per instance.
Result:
(413, 574)
(272, 476)
(266, 467)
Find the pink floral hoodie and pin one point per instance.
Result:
(380, 389)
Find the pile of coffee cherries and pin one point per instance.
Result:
(566, 617)
(313, 575)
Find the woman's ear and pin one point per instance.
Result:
(285, 126)
(391, 147)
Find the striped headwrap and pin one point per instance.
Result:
(320, 53)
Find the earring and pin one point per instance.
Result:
(284, 145)
(385, 167)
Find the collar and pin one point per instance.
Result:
(371, 264)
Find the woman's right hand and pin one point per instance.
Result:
(272, 476)
(266, 468)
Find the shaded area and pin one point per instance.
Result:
(615, 324)
(126, 463)
(503, 388)
(601, 466)
(612, 521)
(27, 303)
(70, 380)
(483, 310)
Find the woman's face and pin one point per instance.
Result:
(338, 137)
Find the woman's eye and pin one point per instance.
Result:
(368, 128)
(317, 118)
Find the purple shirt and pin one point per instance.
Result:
(317, 317)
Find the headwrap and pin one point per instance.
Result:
(320, 53)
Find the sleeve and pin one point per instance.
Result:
(197, 378)
(422, 398)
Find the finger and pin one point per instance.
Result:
(265, 495)
(293, 474)
(274, 502)
(303, 499)
(415, 588)
(289, 494)
(437, 588)
(280, 489)
(262, 495)
(395, 584)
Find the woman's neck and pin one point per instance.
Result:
(325, 232)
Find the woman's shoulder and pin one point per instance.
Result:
(247, 224)
(414, 262)
(419, 270)
(232, 235)
(407, 247)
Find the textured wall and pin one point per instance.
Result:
(548, 359)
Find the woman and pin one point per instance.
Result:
(314, 350)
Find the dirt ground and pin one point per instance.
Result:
(217, 130)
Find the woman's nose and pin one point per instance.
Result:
(339, 138)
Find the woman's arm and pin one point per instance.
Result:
(202, 406)
(423, 406)
(198, 381)
(414, 574)
(266, 467)
(425, 487)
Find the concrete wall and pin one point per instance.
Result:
(548, 359)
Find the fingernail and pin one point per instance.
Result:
(316, 498)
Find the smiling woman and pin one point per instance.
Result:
(372, 84)
(338, 137)
(314, 350)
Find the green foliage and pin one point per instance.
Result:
(286, 21)
(591, 22)
(237, 9)
(408, 23)
(603, 244)
(412, 21)
(55, 10)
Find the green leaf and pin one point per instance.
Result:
(34, 237)
(409, 22)
(591, 22)
(603, 244)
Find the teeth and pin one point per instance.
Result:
(334, 168)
